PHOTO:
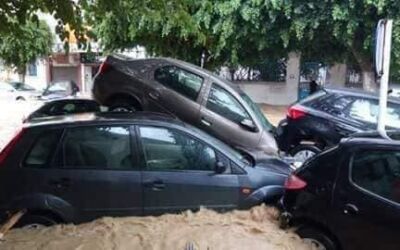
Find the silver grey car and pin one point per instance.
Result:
(190, 93)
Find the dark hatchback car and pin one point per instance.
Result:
(348, 197)
(79, 167)
(322, 119)
(65, 106)
(192, 94)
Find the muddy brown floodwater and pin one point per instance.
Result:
(205, 230)
(252, 229)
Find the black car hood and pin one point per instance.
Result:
(274, 164)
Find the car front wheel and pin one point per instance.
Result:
(317, 238)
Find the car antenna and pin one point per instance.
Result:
(383, 45)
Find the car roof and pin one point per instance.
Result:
(69, 99)
(176, 62)
(102, 117)
(358, 93)
(372, 137)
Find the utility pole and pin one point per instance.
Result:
(382, 66)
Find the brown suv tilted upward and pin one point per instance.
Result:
(193, 94)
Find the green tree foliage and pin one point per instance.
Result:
(227, 32)
(232, 32)
(17, 50)
(15, 13)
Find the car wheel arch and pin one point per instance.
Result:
(303, 222)
(131, 98)
(40, 204)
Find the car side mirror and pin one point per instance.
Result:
(248, 124)
(220, 167)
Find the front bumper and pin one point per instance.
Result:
(285, 217)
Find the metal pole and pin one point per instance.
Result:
(384, 80)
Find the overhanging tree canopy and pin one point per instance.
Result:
(17, 50)
(14, 13)
(233, 32)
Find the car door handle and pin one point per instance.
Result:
(60, 183)
(157, 185)
(154, 95)
(350, 209)
(205, 122)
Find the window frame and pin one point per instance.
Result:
(175, 91)
(59, 156)
(236, 99)
(362, 189)
(219, 156)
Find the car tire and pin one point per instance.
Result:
(20, 98)
(303, 152)
(317, 238)
(123, 105)
(36, 221)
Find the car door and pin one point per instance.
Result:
(178, 91)
(367, 200)
(95, 172)
(222, 115)
(179, 173)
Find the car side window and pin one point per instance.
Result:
(365, 110)
(223, 103)
(95, 147)
(42, 150)
(180, 80)
(378, 172)
(168, 149)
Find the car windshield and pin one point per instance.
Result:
(21, 86)
(257, 111)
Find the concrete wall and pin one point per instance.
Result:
(276, 93)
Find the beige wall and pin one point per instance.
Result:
(337, 75)
(277, 93)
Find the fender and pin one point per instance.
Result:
(47, 202)
(264, 194)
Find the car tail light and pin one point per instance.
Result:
(104, 67)
(294, 183)
(296, 112)
(9, 147)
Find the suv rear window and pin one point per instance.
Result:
(42, 150)
(180, 80)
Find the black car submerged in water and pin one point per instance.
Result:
(348, 197)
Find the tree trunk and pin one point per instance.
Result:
(21, 73)
(367, 73)
(21, 77)
(232, 71)
(368, 80)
